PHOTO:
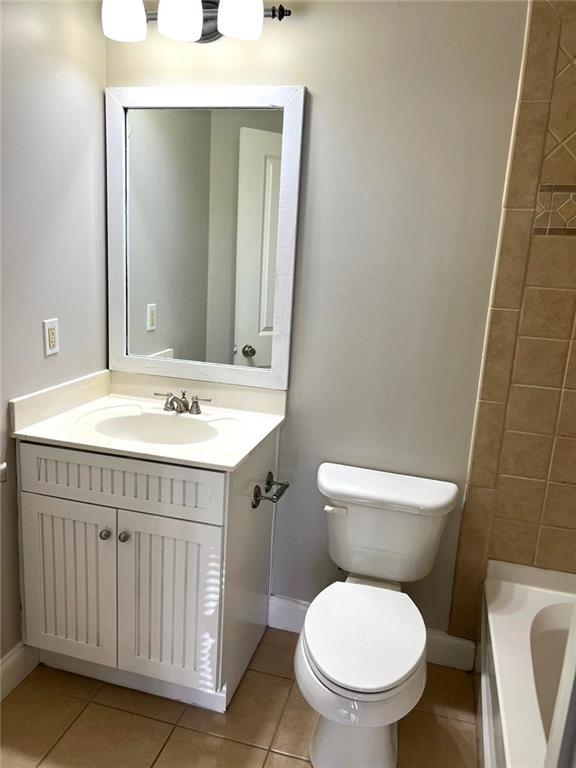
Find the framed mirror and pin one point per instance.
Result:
(202, 217)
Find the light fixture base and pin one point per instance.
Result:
(210, 30)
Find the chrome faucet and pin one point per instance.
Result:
(173, 403)
(182, 404)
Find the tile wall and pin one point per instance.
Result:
(521, 499)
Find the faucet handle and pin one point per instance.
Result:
(195, 404)
(168, 405)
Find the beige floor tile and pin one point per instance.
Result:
(427, 741)
(296, 726)
(190, 749)
(450, 693)
(64, 682)
(140, 703)
(33, 719)
(107, 738)
(275, 654)
(282, 761)
(253, 715)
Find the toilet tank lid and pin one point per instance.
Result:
(374, 488)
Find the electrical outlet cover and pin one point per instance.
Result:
(151, 317)
(51, 336)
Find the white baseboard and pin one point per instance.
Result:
(15, 666)
(449, 651)
(443, 649)
(286, 613)
(204, 699)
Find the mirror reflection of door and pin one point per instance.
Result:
(257, 235)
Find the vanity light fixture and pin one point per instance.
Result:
(124, 20)
(181, 19)
(202, 21)
(241, 19)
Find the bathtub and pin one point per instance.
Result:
(528, 668)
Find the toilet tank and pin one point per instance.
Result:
(384, 525)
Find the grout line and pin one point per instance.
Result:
(280, 718)
(220, 736)
(446, 717)
(59, 692)
(556, 12)
(166, 740)
(59, 739)
(138, 714)
(532, 434)
(558, 527)
(550, 288)
(541, 338)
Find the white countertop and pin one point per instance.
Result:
(235, 433)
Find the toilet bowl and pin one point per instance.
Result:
(360, 662)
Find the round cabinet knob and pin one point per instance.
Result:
(123, 536)
(105, 534)
(248, 350)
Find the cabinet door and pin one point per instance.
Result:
(69, 564)
(169, 582)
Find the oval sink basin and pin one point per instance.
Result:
(156, 428)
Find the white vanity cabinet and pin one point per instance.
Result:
(152, 569)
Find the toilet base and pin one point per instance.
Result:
(342, 746)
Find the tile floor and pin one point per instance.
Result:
(59, 720)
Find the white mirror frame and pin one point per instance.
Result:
(118, 100)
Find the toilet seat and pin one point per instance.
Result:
(363, 641)
(357, 696)
(349, 708)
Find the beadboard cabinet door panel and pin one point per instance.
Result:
(169, 585)
(69, 561)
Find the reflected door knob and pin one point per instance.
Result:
(123, 536)
(248, 350)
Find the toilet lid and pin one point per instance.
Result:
(364, 638)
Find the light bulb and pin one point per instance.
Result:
(181, 19)
(241, 19)
(124, 20)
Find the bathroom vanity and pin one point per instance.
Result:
(132, 562)
(146, 533)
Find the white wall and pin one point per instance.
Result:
(407, 131)
(168, 211)
(224, 158)
(182, 210)
(53, 228)
(407, 128)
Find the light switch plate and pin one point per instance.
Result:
(51, 335)
(151, 317)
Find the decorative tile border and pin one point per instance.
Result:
(555, 210)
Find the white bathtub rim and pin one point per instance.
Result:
(511, 608)
(529, 576)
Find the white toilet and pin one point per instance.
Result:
(361, 657)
